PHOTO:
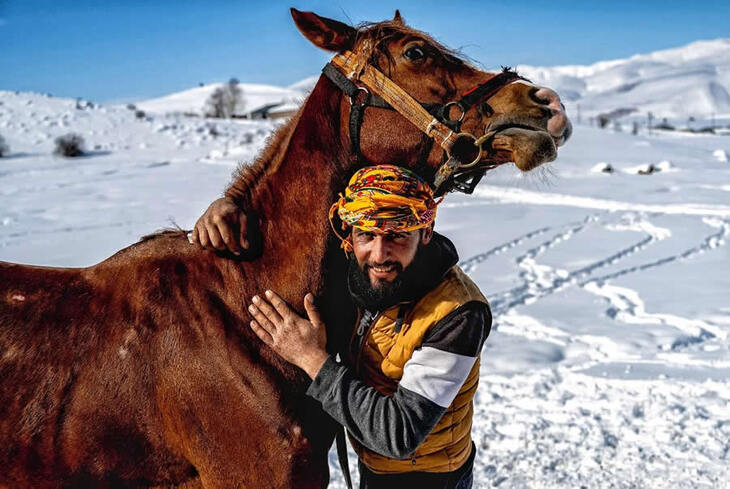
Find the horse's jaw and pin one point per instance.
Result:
(526, 148)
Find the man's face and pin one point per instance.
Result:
(383, 256)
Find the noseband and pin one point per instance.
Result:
(462, 151)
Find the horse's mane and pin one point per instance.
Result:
(246, 175)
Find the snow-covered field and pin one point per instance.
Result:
(609, 360)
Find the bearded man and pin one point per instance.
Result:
(404, 387)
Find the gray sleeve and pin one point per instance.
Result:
(394, 426)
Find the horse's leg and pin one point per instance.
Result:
(234, 433)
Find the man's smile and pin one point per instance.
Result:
(383, 272)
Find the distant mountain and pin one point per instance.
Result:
(192, 101)
(304, 86)
(689, 81)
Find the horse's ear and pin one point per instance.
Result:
(397, 19)
(324, 33)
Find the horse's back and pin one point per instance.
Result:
(77, 359)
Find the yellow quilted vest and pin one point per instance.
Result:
(380, 362)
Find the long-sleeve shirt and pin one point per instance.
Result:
(395, 425)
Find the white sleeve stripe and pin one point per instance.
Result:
(436, 375)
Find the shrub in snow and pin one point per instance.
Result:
(225, 100)
(131, 107)
(69, 145)
(602, 167)
(3, 147)
(139, 114)
(647, 169)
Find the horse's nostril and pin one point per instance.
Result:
(535, 98)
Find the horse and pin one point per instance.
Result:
(142, 371)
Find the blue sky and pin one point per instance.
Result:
(118, 51)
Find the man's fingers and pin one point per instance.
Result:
(194, 236)
(312, 311)
(227, 235)
(262, 319)
(281, 307)
(215, 237)
(243, 229)
(203, 235)
(261, 333)
(266, 309)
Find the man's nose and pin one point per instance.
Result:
(379, 252)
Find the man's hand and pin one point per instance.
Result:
(222, 226)
(297, 340)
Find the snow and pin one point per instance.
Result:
(253, 96)
(692, 80)
(608, 364)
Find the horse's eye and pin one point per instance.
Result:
(414, 54)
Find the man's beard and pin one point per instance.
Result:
(408, 284)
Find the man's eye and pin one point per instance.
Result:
(414, 54)
(397, 237)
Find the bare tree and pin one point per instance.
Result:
(225, 101)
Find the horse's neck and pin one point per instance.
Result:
(294, 194)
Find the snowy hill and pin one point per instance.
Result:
(193, 101)
(693, 80)
(304, 86)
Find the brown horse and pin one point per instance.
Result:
(142, 371)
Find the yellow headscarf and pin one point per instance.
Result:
(385, 198)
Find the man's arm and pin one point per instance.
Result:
(396, 425)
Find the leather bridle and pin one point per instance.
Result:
(462, 151)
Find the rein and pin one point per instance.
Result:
(462, 151)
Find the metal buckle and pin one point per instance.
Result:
(363, 89)
(447, 109)
(464, 138)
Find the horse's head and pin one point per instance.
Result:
(512, 119)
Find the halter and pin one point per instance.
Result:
(462, 151)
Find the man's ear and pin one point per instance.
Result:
(426, 234)
(324, 33)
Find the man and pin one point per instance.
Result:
(405, 385)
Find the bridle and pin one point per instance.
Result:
(462, 151)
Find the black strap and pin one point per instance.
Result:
(340, 80)
(342, 456)
(350, 89)
(485, 90)
(356, 113)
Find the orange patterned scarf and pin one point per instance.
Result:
(385, 198)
